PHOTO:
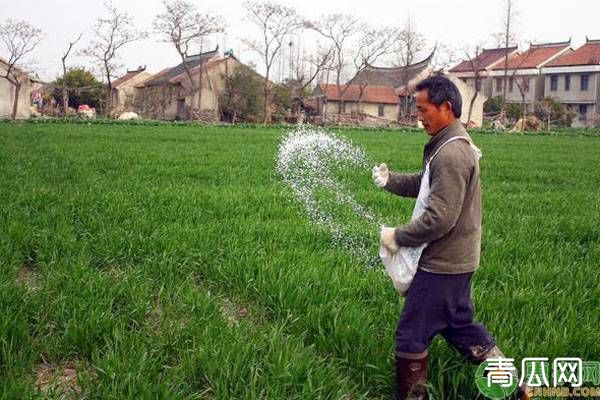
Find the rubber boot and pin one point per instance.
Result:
(411, 378)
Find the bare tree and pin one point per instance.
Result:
(355, 47)
(303, 77)
(276, 22)
(410, 43)
(444, 57)
(477, 67)
(112, 33)
(185, 27)
(308, 68)
(65, 90)
(20, 39)
(507, 37)
(545, 109)
(340, 30)
(522, 81)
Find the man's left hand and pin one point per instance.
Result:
(388, 239)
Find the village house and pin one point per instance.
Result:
(386, 94)
(573, 79)
(7, 93)
(124, 89)
(524, 80)
(168, 95)
(372, 100)
(380, 94)
(402, 79)
(471, 103)
(476, 72)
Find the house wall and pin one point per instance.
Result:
(535, 92)
(581, 119)
(7, 96)
(598, 94)
(161, 102)
(124, 96)
(467, 92)
(213, 84)
(486, 84)
(540, 89)
(158, 102)
(390, 111)
(575, 94)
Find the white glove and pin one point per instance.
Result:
(381, 175)
(388, 239)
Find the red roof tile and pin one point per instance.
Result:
(484, 60)
(588, 54)
(371, 94)
(535, 56)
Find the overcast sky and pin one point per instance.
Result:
(456, 23)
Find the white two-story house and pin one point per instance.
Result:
(523, 73)
(574, 80)
(475, 72)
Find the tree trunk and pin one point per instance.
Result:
(16, 101)
(506, 44)
(471, 104)
(65, 96)
(200, 90)
(65, 91)
(109, 99)
(267, 116)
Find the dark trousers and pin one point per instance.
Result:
(440, 303)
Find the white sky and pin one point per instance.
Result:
(456, 23)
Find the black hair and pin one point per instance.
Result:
(441, 89)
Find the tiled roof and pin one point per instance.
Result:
(393, 76)
(167, 74)
(129, 75)
(371, 94)
(535, 56)
(588, 54)
(484, 60)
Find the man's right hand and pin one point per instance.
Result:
(381, 175)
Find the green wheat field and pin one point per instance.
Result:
(147, 262)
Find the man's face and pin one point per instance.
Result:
(432, 117)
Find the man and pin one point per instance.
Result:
(439, 298)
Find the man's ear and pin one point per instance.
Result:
(447, 106)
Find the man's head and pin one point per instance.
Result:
(438, 103)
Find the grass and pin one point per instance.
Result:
(169, 262)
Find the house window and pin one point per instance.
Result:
(478, 84)
(498, 84)
(553, 83)
(585, 80)
(380, 110)
(567, 83)
(344, 108)
(511, 82)
(583, 111)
